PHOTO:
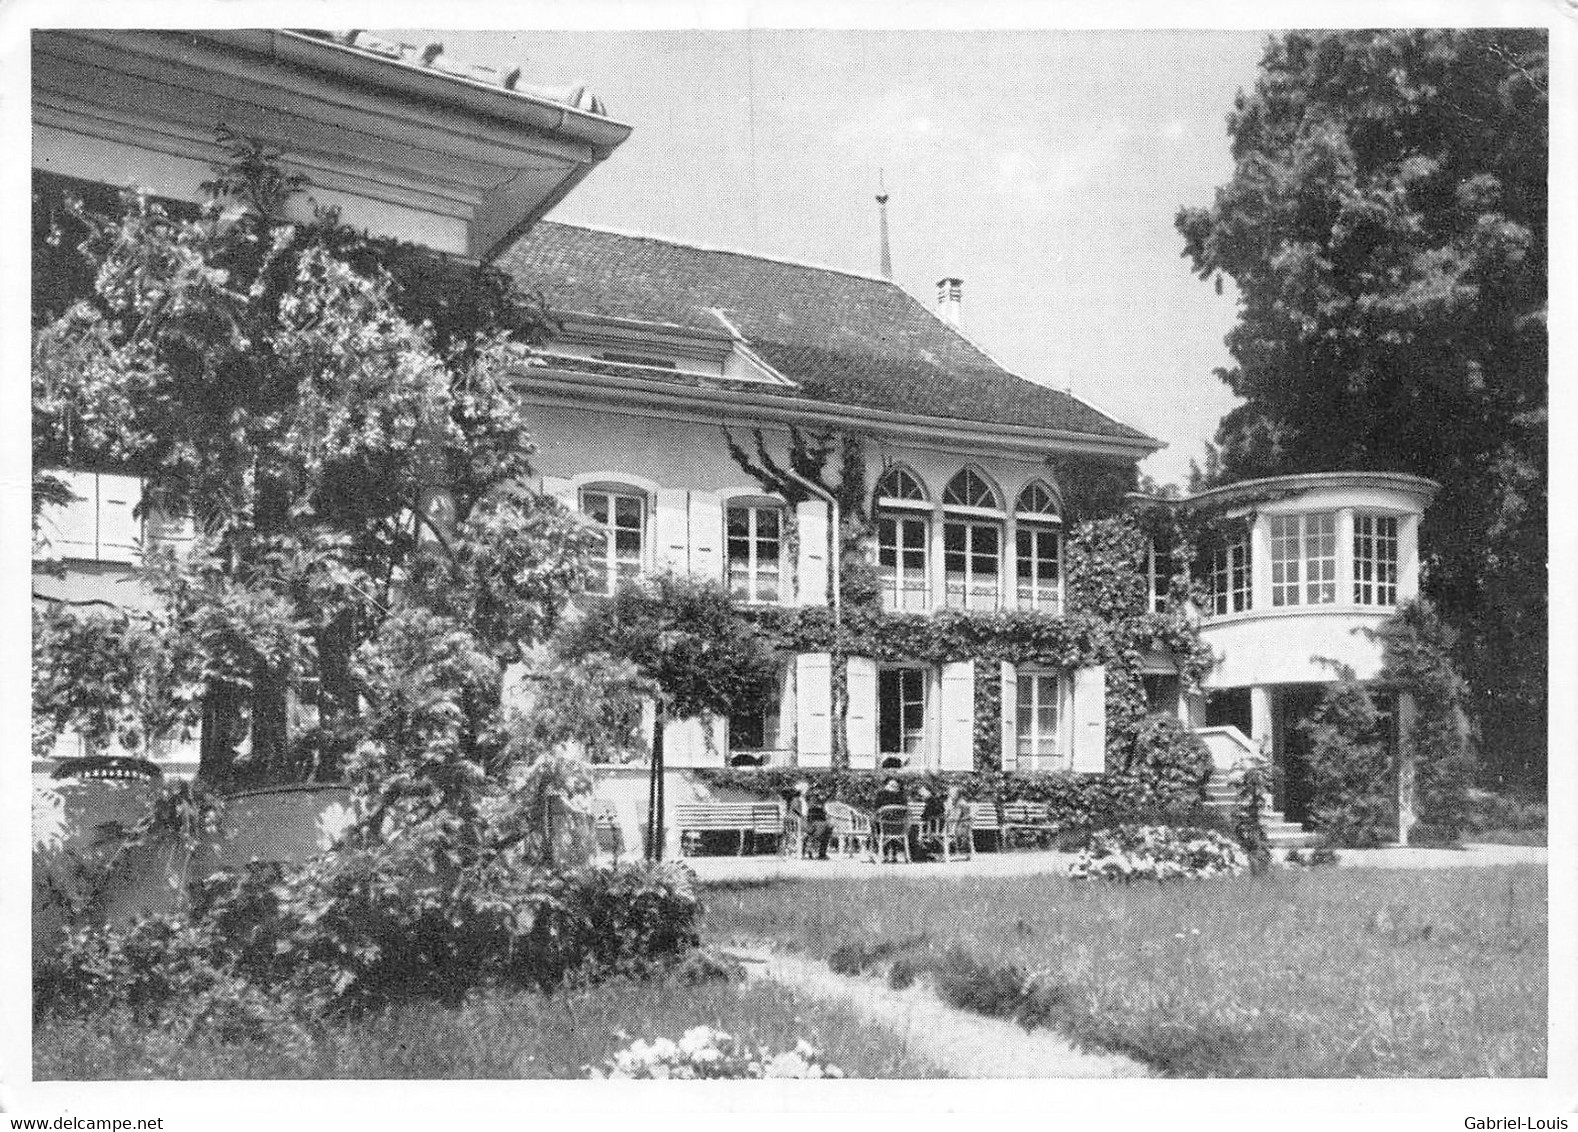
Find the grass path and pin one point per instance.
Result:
(962, 1044)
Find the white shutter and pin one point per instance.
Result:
(561, 489)
(685, 742)
(706, 536)
(649, 723)
(814, 708)
(811, 520)
(73, 528)
(786, 711)
(670, 533)
(1010, 752)
(171, 532)
(680, 738)
(958, 715)
(1090, 719)
(860, 717)
(120, 525)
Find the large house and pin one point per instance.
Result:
(666, 354)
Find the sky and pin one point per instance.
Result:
(1042, 167)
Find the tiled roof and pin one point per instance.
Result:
(431, 56)
(844, 338)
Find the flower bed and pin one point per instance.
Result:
(1157, 852)
(704, 1053)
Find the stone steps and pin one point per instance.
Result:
(1281, 833)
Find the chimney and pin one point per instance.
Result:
(882, 211)
(950, 300)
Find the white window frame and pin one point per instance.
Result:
(1375, 558)
(1031, 592)
(609, 558)
(1158, 584)
(905, 589)
(1301, 572)
(977, 490)
(1035, 748)
(756, 567)
(914, 714)
(1232, 564)
(968, 589)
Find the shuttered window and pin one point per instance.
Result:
(755, 539)
(622, 519)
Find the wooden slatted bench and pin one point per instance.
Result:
(937, 829)
(983, 819)
(747, 819)
(1026, 815)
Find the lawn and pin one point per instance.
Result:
(1325, 973)
(494, 1035)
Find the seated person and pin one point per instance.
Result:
(813, 818)
(891, 794)
(931, 811)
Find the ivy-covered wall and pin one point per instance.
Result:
(1107, 623)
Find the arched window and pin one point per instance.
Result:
(620, 513)
(972, 542)
(900, 484)
(1038, 549)
(970, 489)
(903, 532)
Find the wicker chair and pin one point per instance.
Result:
(893, 828)
(851, 828)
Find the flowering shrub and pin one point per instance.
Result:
(355, 930)
(704, 1053)
(1153, 852)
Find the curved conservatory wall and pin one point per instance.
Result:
(1314, 562)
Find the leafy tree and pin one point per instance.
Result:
(1416, 659)
(685, 635)
(1350, 769)
(1386, 228)
(333, 412)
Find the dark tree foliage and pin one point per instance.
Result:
(685, 635)
(1386, 229)
(304, 392)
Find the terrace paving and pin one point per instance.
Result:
(1032, 863)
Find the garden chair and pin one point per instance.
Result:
(893, 828)
(792, 843)
(851, 828)
(958, 835)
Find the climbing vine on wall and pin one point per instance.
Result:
(1107, 624)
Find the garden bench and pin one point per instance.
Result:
(747, 819)
(983, 819)
(957, 831)
(1026, 815)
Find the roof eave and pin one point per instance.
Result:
(808, 410)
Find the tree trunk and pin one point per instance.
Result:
(221, 727)
(655, 793)
(270, 764)
(337, 699)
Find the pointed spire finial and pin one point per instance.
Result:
(882, 210)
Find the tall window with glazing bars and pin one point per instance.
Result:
(1375, 559)
(1230, 575)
